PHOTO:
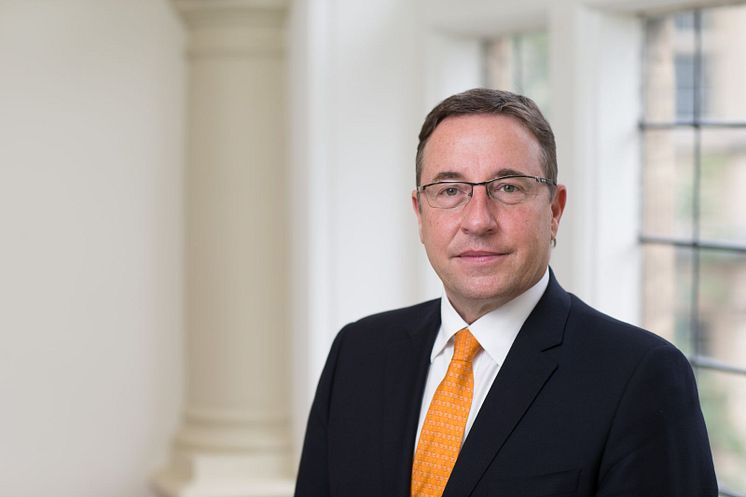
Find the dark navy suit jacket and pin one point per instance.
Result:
(584, 405)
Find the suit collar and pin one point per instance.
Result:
(407, 363)
(545, 326)
(427, 320)
(496, 330)
(525, 371)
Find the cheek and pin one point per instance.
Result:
(528, 225)
(521, 219)
(436, 232)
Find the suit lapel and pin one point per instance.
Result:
(521, 378)
(407, 364)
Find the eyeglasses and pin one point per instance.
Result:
(509, 190)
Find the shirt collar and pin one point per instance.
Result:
(496, 330)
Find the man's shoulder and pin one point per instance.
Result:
(590, 329)
(412, 313)
(599, 328)
(383, 327)
(409, 317)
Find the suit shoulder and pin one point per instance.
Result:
(411, 312)
(393, 323)
(597, 326)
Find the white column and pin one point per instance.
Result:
(595, 81)
(234, 438)
(356, 111)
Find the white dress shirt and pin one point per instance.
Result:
(495, 332)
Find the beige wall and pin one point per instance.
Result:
(91, 103)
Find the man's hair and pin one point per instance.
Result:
(498, 102)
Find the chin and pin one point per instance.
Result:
(488, 294)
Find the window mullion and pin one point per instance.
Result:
(697, 331)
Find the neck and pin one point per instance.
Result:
(472, 311)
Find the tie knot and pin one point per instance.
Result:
(465, 346)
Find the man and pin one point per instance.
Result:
(507, 386)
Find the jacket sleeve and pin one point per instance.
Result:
(313, 472)
(658, 443)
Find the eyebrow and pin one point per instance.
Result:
(453, 175)
(446, 175)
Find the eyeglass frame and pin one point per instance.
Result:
(421, 189)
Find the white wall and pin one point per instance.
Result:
(90, 244)
(356, 103)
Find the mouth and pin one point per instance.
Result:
(480, 256)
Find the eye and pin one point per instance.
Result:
(507, 187)
(451, 190)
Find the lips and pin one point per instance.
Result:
(480, 255)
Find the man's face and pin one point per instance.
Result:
(486, 253)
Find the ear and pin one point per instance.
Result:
(417, 211)
(558, 207)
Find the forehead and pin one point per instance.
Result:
(477, 147)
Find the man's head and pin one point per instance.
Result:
(488, 243)
(497, 102)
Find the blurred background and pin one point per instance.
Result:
(195, 195)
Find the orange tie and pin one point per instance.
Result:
(443, 429)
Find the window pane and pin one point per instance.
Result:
(722, 307)
(667, 293)
(723, 397)
(668, 180)
(694, 189)
(668, 68)
(499, 63)
(723, 191)
(532, 80)
(520, 63)
(685, 66)
(724, 76)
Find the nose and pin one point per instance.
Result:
(480, 213)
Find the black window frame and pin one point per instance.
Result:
(698, 246)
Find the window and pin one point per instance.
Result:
(519, 63)
(694, 212)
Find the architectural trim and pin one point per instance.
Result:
(198, 13)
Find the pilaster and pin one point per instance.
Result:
(234, 439)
